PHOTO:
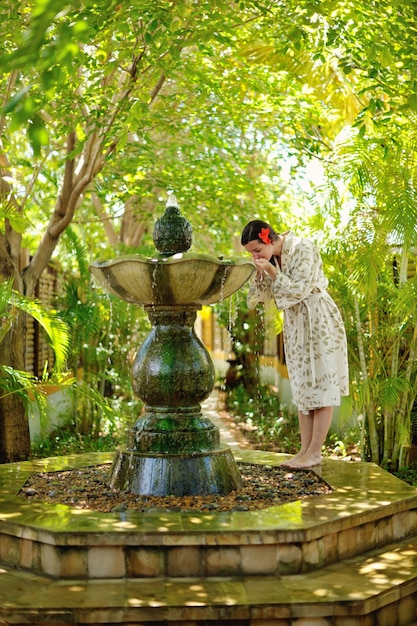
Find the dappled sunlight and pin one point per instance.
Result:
(76, 588)
(162, 529)
(391, 568)
(136, 602)
(395, 556)
(199, 594)
(226, 600)
(206, 593)
(8, 516)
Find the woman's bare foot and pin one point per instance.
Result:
(303, 462)
(297, 456)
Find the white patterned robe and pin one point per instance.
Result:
(314, 333)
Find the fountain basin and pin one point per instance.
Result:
(184, 278)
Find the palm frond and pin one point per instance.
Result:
(15, 381)
(18, 222)
(74, 244)
(6, 290)
(391, 390)
(53, 325)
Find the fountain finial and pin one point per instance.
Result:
(172, 233)
(172, 201)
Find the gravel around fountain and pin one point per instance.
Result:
(87, 488)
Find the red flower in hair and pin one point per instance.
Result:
(264, 235)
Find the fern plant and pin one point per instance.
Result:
(103, 331)
(21, 383)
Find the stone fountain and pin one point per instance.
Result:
(173, 449)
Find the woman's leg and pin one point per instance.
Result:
(320, 424)
(305, 422)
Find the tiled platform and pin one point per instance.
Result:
(341, 559)
(367, 509)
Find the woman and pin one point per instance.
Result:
(289, 270)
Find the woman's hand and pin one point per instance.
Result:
(265, 267)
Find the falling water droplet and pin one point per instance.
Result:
(110, 334)
(233, 312)
(222, 283)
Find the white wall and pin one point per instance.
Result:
(59, 407)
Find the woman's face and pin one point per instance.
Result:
(259, 250)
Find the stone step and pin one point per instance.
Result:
(377, 588)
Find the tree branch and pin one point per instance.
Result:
(9, 88)
(155, 91)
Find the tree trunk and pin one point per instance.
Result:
(368, 408)
(402, 428)
(14, 425)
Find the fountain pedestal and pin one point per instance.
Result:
(203, 473)
(173, 373)
(173, 448)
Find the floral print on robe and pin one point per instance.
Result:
(314, 333)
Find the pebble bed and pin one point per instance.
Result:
(87, 488)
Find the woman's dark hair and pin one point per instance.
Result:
(253, 229)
